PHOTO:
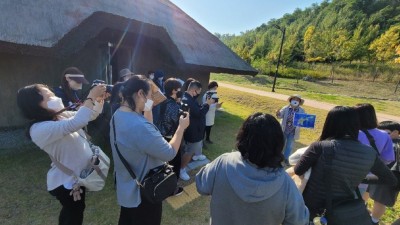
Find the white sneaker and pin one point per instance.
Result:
(199, 157)
(184, 176)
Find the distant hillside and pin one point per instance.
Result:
(331, 32)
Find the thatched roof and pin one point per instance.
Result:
(59, 28)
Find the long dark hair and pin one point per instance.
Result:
(260, 140)
(65, 86)
(28, 101)
(132, 86)
(367, 116)
(341, 122)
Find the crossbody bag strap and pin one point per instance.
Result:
(61, 167)
(397, 152)
(328, 154)
(123, 160)
(70, 172)
(371, 141)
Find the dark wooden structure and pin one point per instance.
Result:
(39, 39)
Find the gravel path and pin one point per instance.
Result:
(307, 102)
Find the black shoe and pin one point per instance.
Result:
(178, 191)
(209, 142)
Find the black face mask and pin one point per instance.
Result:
(179, 94)
(196, 96)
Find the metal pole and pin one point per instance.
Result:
(279, 57)
(108, 81)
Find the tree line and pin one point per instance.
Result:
(332, 32)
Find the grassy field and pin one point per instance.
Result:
(24, 199)
(379, 94)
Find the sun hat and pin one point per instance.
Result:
(125, 72)
(296, 96)
(79, 78)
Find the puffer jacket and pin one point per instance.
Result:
(351, 163)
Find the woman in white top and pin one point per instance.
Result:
(59, 133)
(210, 116)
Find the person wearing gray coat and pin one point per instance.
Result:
(250, 186)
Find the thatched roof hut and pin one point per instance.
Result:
(40, 38)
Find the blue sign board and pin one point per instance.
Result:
(304, 120)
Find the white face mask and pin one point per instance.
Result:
(151, 76)
(294, 103)
(55, 104)
(148, 105)
(160, 79)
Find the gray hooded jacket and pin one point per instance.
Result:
(243, 194)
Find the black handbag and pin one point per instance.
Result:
(343, 211)
(158, 184)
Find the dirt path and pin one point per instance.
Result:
(307, 102)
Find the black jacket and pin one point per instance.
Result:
(195, 131)
(169, 117)
(351, 163)
(59, 92)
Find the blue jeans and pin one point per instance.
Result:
(289, 140)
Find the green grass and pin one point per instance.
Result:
(24, 199)
(340, 92)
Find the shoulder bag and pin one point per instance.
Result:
(158, 184)
(93, 178)
(395, 169)
(342, 211)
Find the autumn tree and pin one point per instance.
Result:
(384, 47)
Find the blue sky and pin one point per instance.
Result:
(234, 16)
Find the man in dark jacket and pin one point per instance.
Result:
(195, 132)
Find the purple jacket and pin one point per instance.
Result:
(382, 141)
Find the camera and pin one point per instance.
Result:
(210, 94)
(109, 87)
(183, 110)
(215, 100)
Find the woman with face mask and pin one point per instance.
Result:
(290, 131)
(143, 147)
(169, 120)
(71, 82)
(59, 133)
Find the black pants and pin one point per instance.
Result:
(176, 162)
(71, 212)
(208, 132)
(145, 214)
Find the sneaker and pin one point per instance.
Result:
(199, 157)
(184, 176)
(178, 191)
